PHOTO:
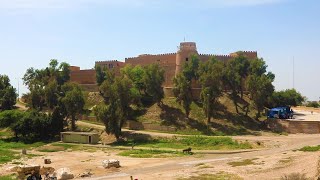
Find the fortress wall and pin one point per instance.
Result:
(150, 59)
(169, 75)
(293, 126)
(251, 54)
(83, 76)
(74, 68)
(114, 65)
(166, 61)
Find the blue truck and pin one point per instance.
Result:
(280, 113)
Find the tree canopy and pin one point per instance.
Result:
(8, 94)
(288, 97)
(49, 88)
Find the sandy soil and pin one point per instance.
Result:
(278, 157)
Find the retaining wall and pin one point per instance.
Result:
(292, 126)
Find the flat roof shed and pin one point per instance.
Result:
(80, 137)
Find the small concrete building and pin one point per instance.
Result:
(80, 137)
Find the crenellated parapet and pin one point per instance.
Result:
(107, 61)
(149, 55)
(206, 54)
(172, 63)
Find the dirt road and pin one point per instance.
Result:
(279, 157)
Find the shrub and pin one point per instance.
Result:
(294, 176)
(313, 104)
(9, 117)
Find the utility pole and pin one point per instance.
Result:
(293, 72)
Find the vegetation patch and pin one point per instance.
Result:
(7, 156)
(51, 149)
(7, 147)
(8, 177)
(6, 144)
(286, 160)
(294, 176)
(310, 148)
(195, 142)
(5, 133)
(56, 147)
(218, 176)
(242, 163)
(205, 166)
(150, 153)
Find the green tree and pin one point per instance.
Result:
(182, 92)
(190, 68)
(9, 117)
(211, 74)
(45, 84)
(100, 74)
(232, 80)
(242, 65)
(8, 94)
(183, 83)
(136, 74)
(73, 102)
(51, 94)
(288, 97)
(153, 79)
(259, 84)
(118, 98)
(112, 116)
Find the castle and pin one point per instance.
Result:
(172, 63)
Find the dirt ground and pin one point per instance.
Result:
(278, 157)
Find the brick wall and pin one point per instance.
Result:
(292, 126)
(83, 76)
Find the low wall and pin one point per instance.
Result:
(292, 126)
(133, 125)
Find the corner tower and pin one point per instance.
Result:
(186, 49)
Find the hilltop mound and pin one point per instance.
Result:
(225, 122)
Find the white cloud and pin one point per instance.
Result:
(34, 4)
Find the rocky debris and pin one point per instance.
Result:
(47, 161)
(111, 163)
(64, 174)
(24, 151)
(85, 174)
(12, 169)
(46, 170)
(24, 170)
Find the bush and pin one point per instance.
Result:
(294, 176)
(9, 117)
(313, 104)
(32, 125)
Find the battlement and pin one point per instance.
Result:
(206, 55)
(188, 46)
(249, 51)
(150, 55)
(172, 63)
(223, 55)
(107, 61)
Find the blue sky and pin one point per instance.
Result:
(83, 31)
